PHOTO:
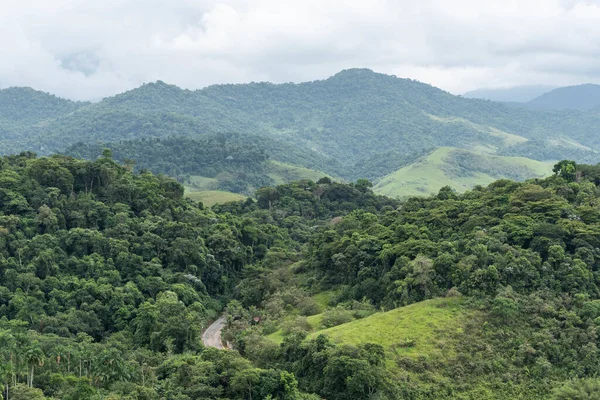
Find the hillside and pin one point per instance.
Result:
(29, 106)
(459, 169)
(581, 97)
(224, 162)
(349, 119)
(518, 94)
(489, 294)
(108, 278)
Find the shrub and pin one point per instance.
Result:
(300, 324)
(336, 316)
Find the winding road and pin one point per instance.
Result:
(212, 335)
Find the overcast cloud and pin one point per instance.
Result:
(89, 49)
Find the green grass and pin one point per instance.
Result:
(323, 298)
(212, 197)
(428, 324)
(429, 174)
(282, 173)
(201, 183)
(509, 138)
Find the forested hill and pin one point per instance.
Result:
(230, 162)
(351, 116)
(107, 279)
(355, 124)
(30, 106)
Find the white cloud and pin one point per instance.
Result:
(87, 49)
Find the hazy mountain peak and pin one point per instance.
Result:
(517, 94)
(579, 97)
(25, 103)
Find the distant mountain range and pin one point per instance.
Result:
(580, 97)
(518, 94)
(355, 124)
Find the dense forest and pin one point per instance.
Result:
(108, 277)
(239, 162)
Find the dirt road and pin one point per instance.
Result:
(212, 335)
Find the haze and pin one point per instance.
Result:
(88, 49)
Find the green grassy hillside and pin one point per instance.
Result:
(459, 169)
(273, 173)
(211, 197)
(419, 329)
(282, 173)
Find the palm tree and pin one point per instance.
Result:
(7, 370)
(33, 356)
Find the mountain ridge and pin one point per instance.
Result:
(359, 119)
(579, 97)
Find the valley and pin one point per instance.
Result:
(361, 237)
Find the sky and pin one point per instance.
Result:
(90, 49)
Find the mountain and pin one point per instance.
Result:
(518, 94)
(30, 106)
(581, 97)
(355, 124)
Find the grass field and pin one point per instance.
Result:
(425, 324)
(212, 197)
(431, 173)
(509, 138)
(283, 173)
(201, 183)
(420, 329)
(279, 173)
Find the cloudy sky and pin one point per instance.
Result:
(88, 49)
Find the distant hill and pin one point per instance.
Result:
(518, 94)
(224, 162)
(32, 106)
(581, 97)
(350, 117)
(459, 169)
(357, 123)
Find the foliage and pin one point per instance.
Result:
(356, 124)
(107, 279)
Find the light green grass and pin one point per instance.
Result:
(567, 142)
(201, 183)
(314, 321)
(323, 298)
(430, 324)
(212, 197)
(276, 337)
(509, 138)
(282, 173)
(429, 174)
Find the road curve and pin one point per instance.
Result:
(212, 335)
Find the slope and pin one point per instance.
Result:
(517, 94)
(413, 330)
(223, 162)
(580, 97)
(30, 106)
(350, 117)
(459, 169)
